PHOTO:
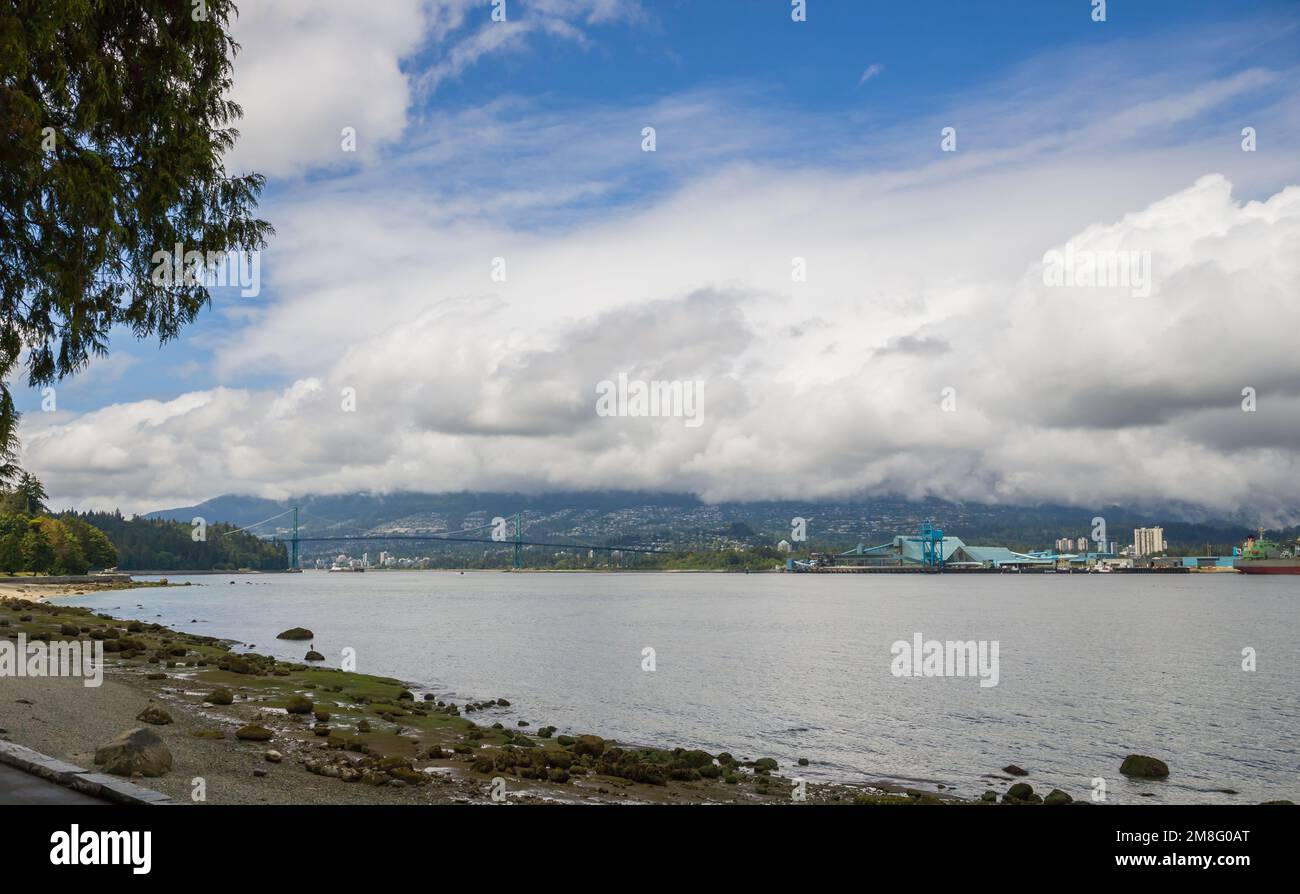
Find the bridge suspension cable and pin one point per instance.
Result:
(255, 524)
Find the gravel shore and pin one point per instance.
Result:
(438, 750)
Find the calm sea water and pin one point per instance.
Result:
(1090, 667)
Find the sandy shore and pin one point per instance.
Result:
(371, 741)
(36, 591)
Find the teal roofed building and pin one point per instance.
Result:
(914, 550)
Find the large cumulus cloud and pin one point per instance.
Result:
(1086, 394)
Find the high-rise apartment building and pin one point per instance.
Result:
(1148, 541)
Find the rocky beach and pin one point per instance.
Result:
(185, 715)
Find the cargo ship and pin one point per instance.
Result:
(1261, 556)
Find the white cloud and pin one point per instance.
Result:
(1084, 394)
(923, 273)
(307, 69)
(871, 71)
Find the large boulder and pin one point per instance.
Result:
(1142, 765)
(253, 733)
(1056, 796)
(1013, 770)
(296, 633)
(138, 750)
(299, 704)
(313, 655)
(1021, 791)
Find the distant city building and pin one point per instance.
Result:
(1064, 545)
(1148, 541)
(784, 546)
(1081, 544)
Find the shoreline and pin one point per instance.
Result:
(326, 736)
(365, 721)
(37, 590)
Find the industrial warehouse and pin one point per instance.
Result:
(929, 550)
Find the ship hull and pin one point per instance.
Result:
(1269, 566)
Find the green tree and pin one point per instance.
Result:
(38, 554)
(8, 426)
(68, 557)
(31, 493)
(95, 545)
(12, 529)
(116, 124)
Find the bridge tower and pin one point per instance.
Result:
(293, 553)
(519, 546)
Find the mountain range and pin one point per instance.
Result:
(674, 521)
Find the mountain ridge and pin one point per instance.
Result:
(678, 521)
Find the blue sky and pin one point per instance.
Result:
(775, 139)
(926, 56)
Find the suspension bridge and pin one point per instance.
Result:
(517, 541)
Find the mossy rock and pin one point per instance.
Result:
(314, 656)
(155, 715)
(295, 633)
(546, 732)
(592, 745)
(1144, 766)
(1056, 796)
(220, 696)
(695, 758)
(409, 776)
(237, 665)
(1021, 791)
(299, 704)
(254, 733)
(765, 765)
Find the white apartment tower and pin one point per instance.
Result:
(1147, 541)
